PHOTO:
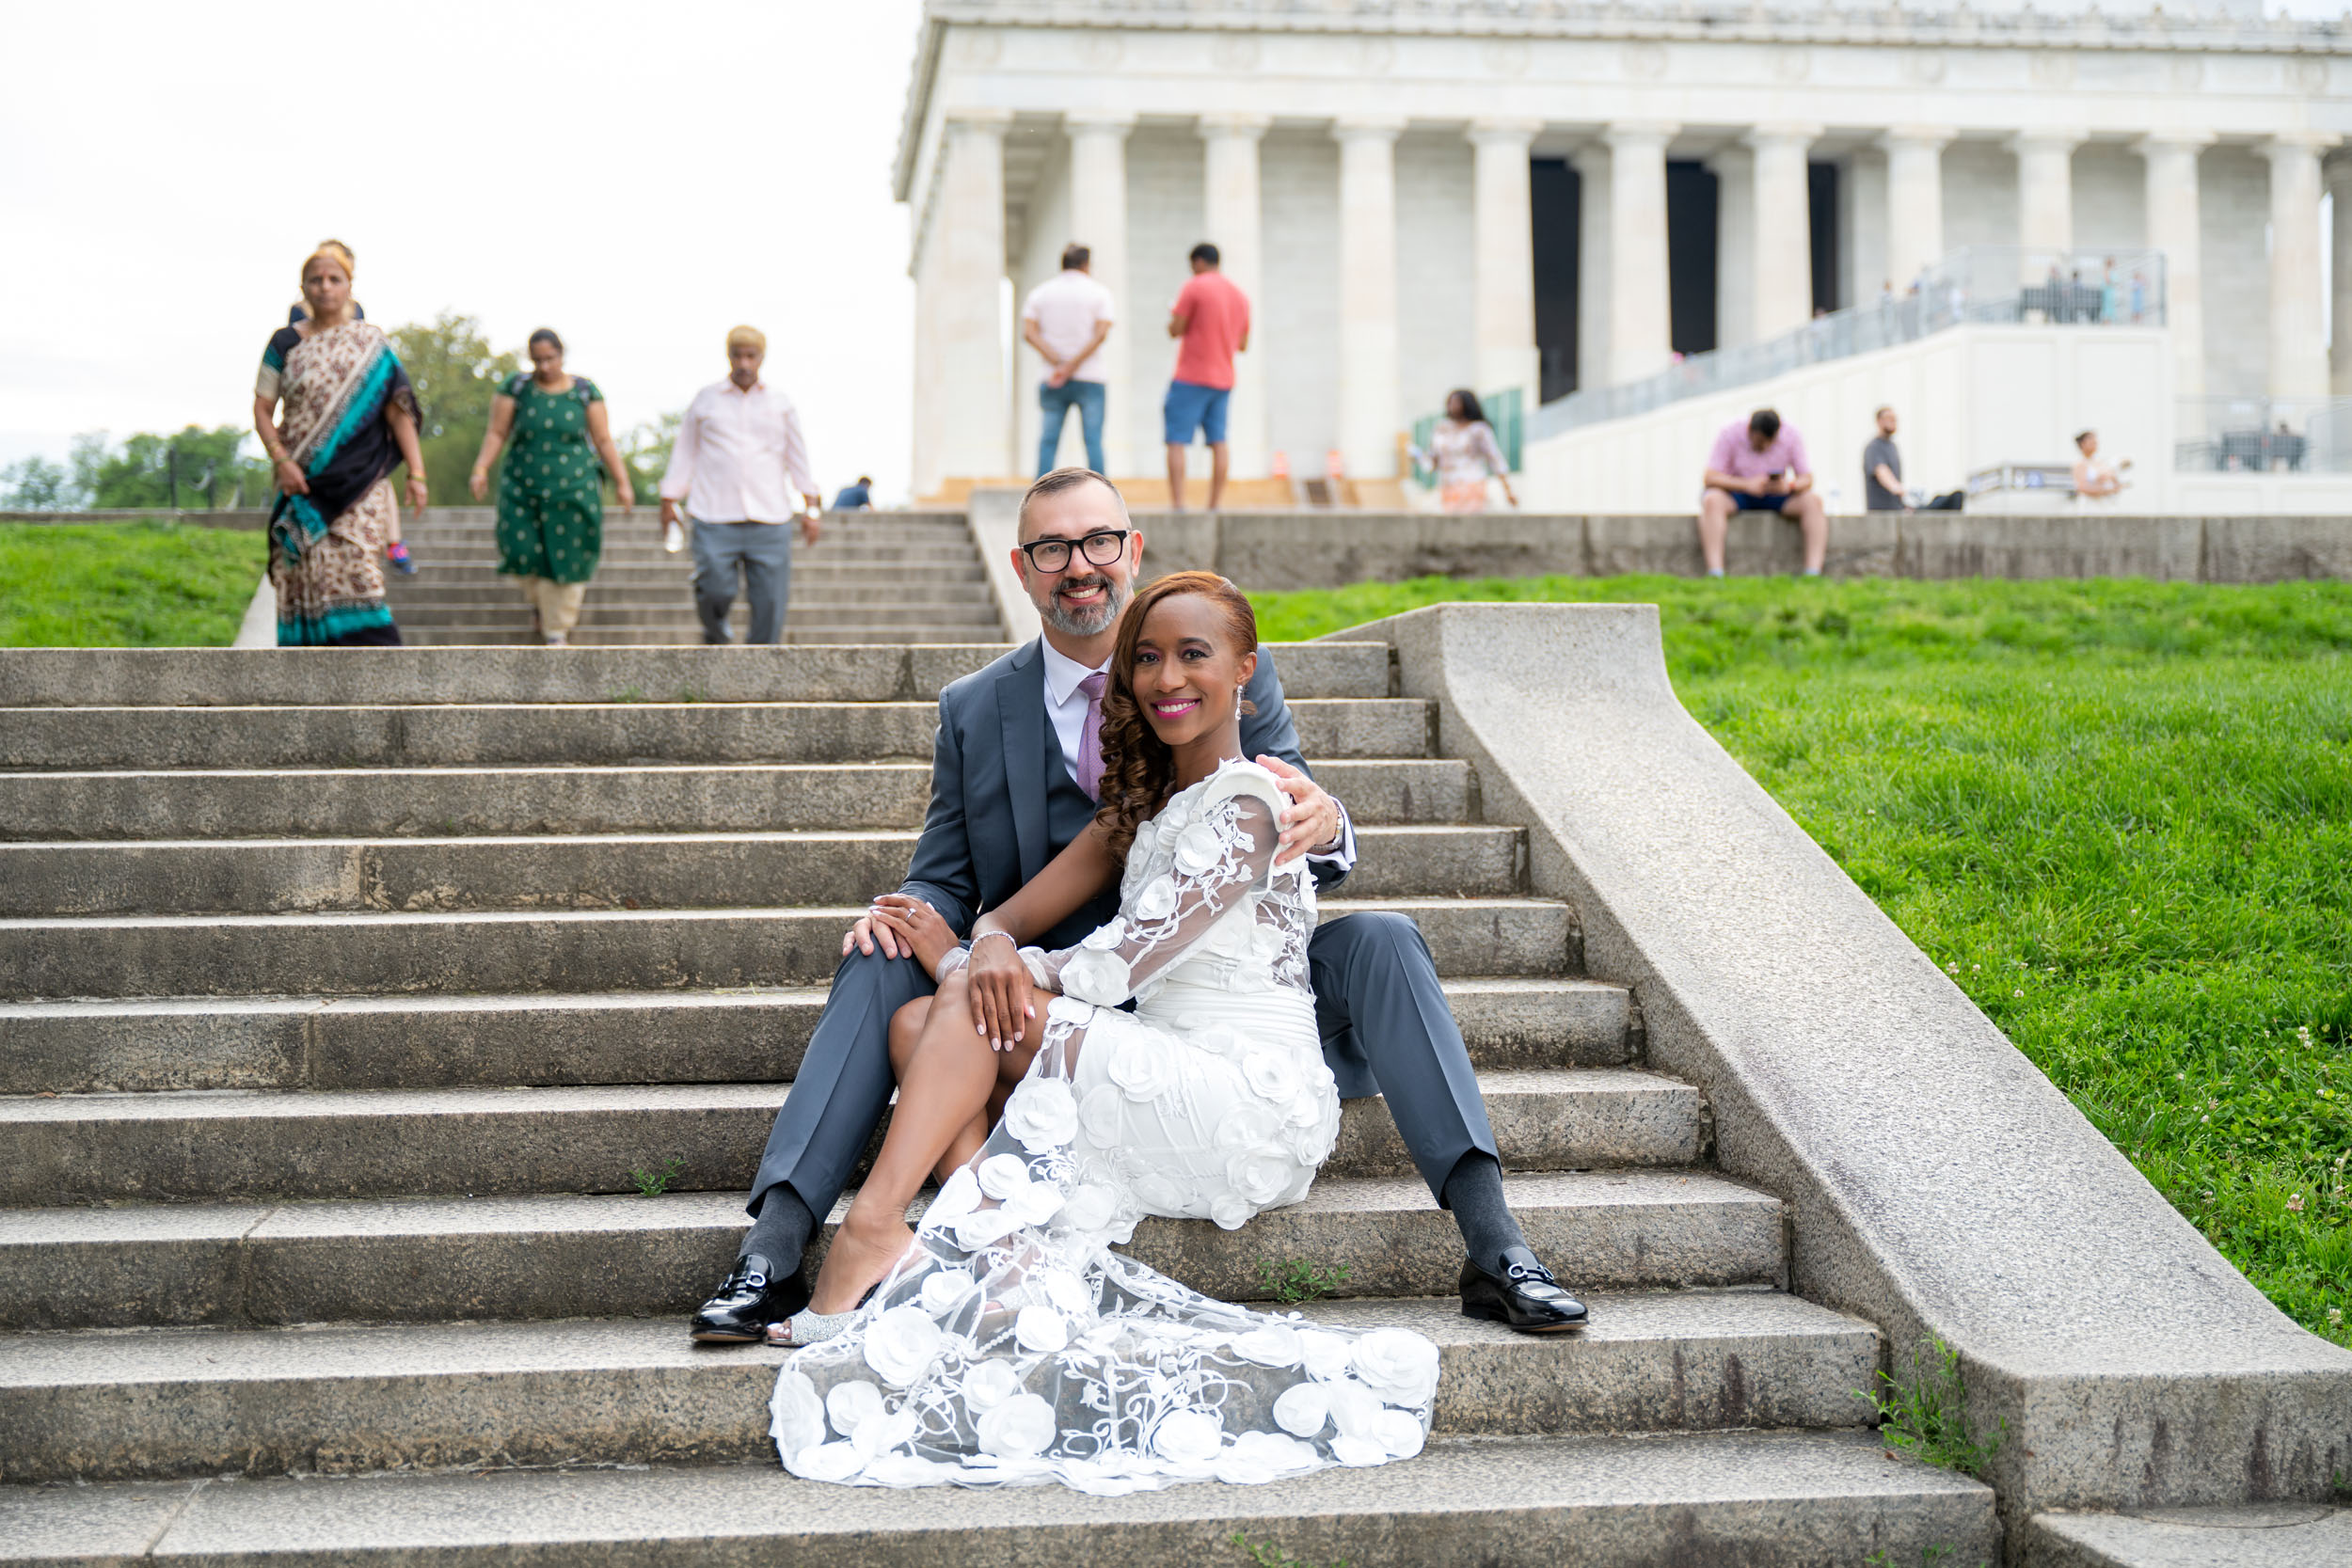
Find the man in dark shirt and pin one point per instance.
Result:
(1883, 469)
(855, 497)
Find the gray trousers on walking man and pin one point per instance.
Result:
(763, 552)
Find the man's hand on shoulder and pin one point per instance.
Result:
(1311, 820)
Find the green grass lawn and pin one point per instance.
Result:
(2119, 814)
(124, 585)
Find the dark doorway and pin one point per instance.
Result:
(1556, 196)
(1821, 181)
(1690, 257)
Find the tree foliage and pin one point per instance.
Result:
(37, 484)
(195, 469)
(456, 373)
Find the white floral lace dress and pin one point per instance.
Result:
(1012, 1345)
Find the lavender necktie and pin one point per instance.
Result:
(1090, 738)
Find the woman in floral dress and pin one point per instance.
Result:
(1005, 1342)
(1464, 452)
(350, 417)
(550, 499)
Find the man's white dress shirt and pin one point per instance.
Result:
(1066, 705)
(739, 457)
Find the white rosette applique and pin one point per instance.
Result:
(1200, 848)
(1303, 1410)
(796, 1416)
(1090, 1206)
(851, 1405)
(1142, 1069)
(1018, 1428)
(1188, 1438)
(1261, 1175)
(1042, 1114)
(1093, 975)
(1098, 1114)
(1157, 901)
(1042, 1328)
(1003, 1175)
(1274, 1345)
(901, 1344)
(1398, 1365)
(987, 1385)
(942, 1288)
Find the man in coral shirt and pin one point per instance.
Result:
(1211, 318)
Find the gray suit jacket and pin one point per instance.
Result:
(985, 836)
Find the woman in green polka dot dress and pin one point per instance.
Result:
(551, 502)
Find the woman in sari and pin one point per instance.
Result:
(350, 417)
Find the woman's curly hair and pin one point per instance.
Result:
(1138, 769)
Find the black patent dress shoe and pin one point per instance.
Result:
(748, 1302)
(1525, 1296)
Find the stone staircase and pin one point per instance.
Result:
(872, 577)
(344, 993)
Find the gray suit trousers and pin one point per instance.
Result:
(1386, 1030)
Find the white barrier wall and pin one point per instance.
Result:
(1967, 399)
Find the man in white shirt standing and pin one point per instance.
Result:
(742, 469)
(1066, 319)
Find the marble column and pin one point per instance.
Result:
(1914, 202)
(1368, 340)
(1237, 227)
(2299, 354)
(1504, 263)
(1640, 328)
(923, 479)
(1862, 240)
(1098, 220)
(1592, 265)
(1734, 168)
(2338, 172)
(1782, 224)
(2045, 199)
(2175, 228)
(972, 409)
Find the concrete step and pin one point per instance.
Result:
(814, 608)
(187, 1401)
(436, 1260)
(586, 950)
(684, 633)
(483, 566)
(755, 1035)
(144, 738)
(920, 566)
(2227, 1535)
(716, 796)
(309, 678)
(582, 871)
(1758, 1499)
(414, 1143)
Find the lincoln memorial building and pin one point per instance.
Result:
(1553, 196)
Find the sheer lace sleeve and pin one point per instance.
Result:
(1222, 848)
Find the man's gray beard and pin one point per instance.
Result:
(1072, 625)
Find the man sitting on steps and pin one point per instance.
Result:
(1005, 800)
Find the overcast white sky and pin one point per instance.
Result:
(638, 177)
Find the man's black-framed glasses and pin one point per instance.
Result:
(1100, 548)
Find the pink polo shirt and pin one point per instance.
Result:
(1733, 455)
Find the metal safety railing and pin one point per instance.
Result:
(1974, 285)
(2223, 435)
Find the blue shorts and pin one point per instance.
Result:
(1742, 501)
(1191, 406)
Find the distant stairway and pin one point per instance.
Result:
(872, 577)
(343, 993)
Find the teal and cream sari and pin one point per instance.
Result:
(326, 548)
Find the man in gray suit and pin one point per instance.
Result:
(1013, 770)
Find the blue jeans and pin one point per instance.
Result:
(1087, 397)
(763, 552)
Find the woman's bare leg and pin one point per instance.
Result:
(943, 1086)
(906, 1032)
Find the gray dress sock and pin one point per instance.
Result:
(1474, 1193)
(781, 1232)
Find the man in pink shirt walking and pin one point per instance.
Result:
(1211, 318)
(1761, 466)
(740, 468)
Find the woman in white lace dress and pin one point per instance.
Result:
(1005, 1342)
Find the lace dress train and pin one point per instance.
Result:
(1012, 1344)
